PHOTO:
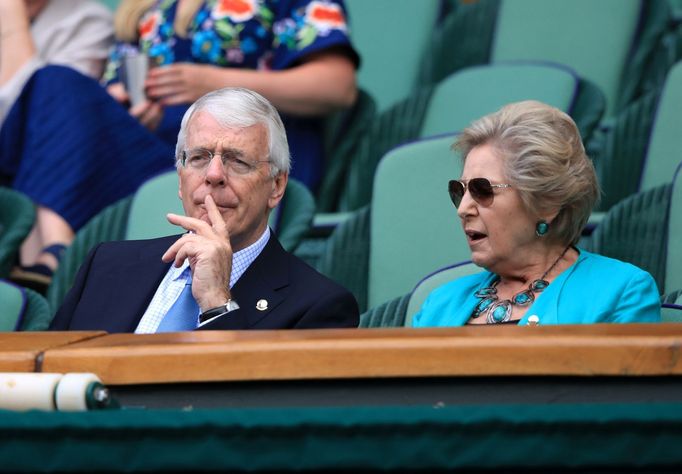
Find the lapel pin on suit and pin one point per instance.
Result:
(262, 305)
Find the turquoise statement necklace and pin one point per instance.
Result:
(500, 311)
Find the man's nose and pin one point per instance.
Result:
(215, 172)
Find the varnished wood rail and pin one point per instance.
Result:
(588, 350)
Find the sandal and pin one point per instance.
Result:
(39, 276)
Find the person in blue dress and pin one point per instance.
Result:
(526, 191)
(75, 147)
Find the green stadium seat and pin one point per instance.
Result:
(391, 37)
(593, 38)
(22, 309)
(399, 311)
(17, 215)
(644, 146)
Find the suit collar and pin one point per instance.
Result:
(141, 275)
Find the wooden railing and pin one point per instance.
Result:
(124, 359)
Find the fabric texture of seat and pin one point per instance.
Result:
(665, 145)
(414, 227)
(22, 309)
(433, 281)
(673, 265)
(343, 131)
(634, 230)
(346, 259)
(593, 38)
(17, 215)
(399, 311)
(142, 216)
(644, 146)
(626, 53)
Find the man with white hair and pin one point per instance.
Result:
(228, 271)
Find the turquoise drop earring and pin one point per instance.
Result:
(541, 228)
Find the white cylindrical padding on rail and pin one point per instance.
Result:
(72, 391)
(28, 391)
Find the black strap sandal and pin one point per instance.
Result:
(39, 276)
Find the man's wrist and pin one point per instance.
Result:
(221, 310)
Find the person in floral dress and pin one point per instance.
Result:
(74, 150)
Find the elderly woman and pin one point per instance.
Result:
(526, 192)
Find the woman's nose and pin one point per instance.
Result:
(466, 206)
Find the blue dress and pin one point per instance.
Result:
(595, 289)
(70, 147)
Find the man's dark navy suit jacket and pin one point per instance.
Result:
(117, 281)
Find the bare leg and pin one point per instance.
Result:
(49, 229)
(31, 247)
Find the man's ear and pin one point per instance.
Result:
(279, 184)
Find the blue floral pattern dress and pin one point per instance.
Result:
(248, 34)
(70, 147)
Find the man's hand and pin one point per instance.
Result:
(209, 252)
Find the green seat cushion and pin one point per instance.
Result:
(433, 281)
(474, 92)
(153, 200)
(414, 226)
(592, 37)
(391, 37)
(12, 306)
(665, 143)
(673, 267)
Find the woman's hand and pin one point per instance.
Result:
(181, 83)
(118, 93)
(149, 113)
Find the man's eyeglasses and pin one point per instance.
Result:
(199, 158)
(481, 190)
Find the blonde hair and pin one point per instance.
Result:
(544, 159)
(129, 13)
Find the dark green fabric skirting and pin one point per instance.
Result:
(482, 437)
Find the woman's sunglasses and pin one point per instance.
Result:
(481, 190)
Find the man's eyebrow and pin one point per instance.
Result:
(231, 152)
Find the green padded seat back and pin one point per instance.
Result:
(477, 91)
(22, 309)
(152, 201)
(673, 266)
(665, 143)
(293, 217)
(17, 215)
(414, 227)
(671, 313)
(592, 37)
(12, 306)
(433, 281)
(391, 37)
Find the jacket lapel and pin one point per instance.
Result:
(138, 278)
